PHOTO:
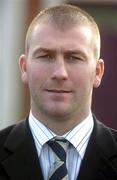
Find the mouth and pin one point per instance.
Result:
(58, 91)
(59, 95)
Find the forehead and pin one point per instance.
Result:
(48, 35)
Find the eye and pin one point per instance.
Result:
(43, 57)
(74, 58)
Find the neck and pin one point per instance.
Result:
(60, 125)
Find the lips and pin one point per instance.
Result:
(58, 91)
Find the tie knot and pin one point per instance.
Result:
(59, 147)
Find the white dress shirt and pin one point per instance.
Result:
(78, 137)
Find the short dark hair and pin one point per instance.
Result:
(64, 17)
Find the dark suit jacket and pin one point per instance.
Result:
(19, 160)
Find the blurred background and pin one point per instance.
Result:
(15, 17)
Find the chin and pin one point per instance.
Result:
(54, 110)
(58, 114)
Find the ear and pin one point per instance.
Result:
(23, 67)
(99, 73)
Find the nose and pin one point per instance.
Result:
(60, 70)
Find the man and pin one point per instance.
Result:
(61, 66)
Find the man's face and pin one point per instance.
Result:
(61, 71)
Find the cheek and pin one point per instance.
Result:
(36, 73)
(82, 77)
(78, 75)
(37, 76)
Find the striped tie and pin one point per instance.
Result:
(59, 170)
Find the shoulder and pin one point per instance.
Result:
(4, 133)
(105, 137)
(102, 129)
(11, 131)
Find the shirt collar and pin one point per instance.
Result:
(78, 136)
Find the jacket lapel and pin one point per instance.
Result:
(22, 160)
(100, 161)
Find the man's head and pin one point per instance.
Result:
(62, 65)
(64, 17)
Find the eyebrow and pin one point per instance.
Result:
(41, 49)
(53, 51)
